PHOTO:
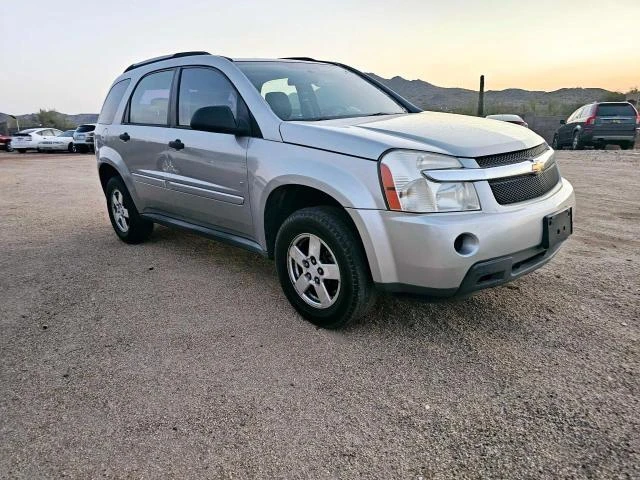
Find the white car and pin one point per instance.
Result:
(509, 118)
(30, 138)
(63, 142)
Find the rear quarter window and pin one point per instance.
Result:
(114, 97)
(616, 110)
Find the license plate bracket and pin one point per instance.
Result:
(557, 228)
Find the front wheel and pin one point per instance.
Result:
(70, 148)
(322, 267)
(125, 219)
(554, 143)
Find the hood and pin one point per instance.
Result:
(370, 137)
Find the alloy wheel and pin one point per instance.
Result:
(313, 270)
(120, 213)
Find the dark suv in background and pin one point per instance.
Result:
(599, 124)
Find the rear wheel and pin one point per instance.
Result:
(70, 148)
(322, 267)
(576, 144)
(125, 219)
(554, 144)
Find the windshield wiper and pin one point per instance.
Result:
(378, 114)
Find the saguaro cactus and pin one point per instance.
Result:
(481, 97)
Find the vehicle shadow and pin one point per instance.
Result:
(392, 314)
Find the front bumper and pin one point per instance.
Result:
(415, 253)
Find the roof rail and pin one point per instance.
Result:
(164, 57)
(308, 59)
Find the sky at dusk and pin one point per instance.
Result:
(66, 55)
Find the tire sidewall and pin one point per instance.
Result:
(332, 316)
(131, 235)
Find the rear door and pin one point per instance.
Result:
(615, 120)
(207, 173)
(566, 131)
(142, 138)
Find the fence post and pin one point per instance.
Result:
(481, 97)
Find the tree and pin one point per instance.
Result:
(52, 118)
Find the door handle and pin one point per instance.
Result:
(124, 137)
(176, 144)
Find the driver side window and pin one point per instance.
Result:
(204, 87)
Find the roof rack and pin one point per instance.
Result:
(164, 57)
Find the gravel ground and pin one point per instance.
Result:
(182, 358)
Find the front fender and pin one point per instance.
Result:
(352, 182)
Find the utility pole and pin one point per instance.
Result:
(481, 97)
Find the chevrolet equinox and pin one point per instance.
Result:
(347, 185)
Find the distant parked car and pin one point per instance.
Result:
(5, 143)
(30, 138)
(508, 117)
(61, 143)
(598, 124)
(83, 137)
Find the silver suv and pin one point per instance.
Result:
(348, 186)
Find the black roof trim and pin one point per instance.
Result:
(307, 59)
(164, 57)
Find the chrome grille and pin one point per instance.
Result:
(511, 157)
(525, 187)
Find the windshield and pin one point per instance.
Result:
(68, 133)
(85, 128)
(316, 91)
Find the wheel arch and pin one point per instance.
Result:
(288, 198)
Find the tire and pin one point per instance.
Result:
(554, 143)
(349, 294)
(22, 150)
(74, 148)
(627, 146)
(9, 147)
(125, 219)
(38, 150)
(575, 143)
(70, 148)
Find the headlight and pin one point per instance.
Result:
(407, 190)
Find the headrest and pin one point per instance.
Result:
(279, 103)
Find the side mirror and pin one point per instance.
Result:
(218, 119)
(562, 122)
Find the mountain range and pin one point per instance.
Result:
(513, 100)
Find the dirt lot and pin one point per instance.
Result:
(181, 357)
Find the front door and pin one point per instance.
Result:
(207, 172)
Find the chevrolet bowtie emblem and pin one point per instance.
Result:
(537, 167)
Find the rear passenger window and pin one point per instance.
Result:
(114, 97)
(150, 100)
(205, 87)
